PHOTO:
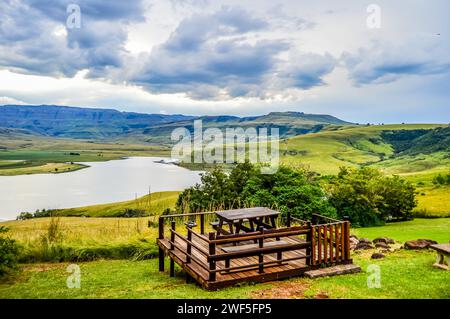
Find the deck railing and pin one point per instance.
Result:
(330, 241)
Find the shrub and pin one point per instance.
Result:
(369, 198)
(24, 216)
(441, 179)
(132, 212)
(9, 252)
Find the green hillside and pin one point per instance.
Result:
(326, 151)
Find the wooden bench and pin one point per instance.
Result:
(443, 251)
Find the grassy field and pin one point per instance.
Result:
(81, 238)
(404, 274)
(35, 155)
(153, 204)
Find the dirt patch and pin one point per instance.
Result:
(283, 290)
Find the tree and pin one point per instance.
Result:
(369, 198)
(287, 190)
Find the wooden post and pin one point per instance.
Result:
(331, 242)
(172, 268)
(337, 239)
(288, 219)
(189, 246)
(347, 240)
(261, 255)
(342, 241)
(325, 246)
(212, 251)
(161, 228)
(172, 247)
(160, 237)
(310, 247)
(319, 244)
(172, 236)
(202, 224)
(313, 244)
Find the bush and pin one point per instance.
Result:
(9, 252)
(65, 253)
(441, 179)
(132, 212)
(24, 216)
(369, 198)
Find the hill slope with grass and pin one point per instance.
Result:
(149, 205)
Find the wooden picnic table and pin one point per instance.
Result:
(443, 250)
(256, 217)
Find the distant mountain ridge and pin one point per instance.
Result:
(77, 122)
(94, 123)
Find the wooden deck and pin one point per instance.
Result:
(217, 261)
(197, 268)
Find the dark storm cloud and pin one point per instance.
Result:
(211, 55)
(29, 42)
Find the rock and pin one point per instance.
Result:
(419, 244)
(354, 236)
(385, 240)
(385, 251)
(365, 240)
(382, 245)
(363, 246)
(429, 241)
(377, 256)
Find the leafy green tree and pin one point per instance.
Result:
(368, 198)
(287, 190)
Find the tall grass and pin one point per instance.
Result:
(56, 239)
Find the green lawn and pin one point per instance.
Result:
(437, 229)
(404, 274)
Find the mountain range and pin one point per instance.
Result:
(96, 123)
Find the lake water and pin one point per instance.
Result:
(102, 182)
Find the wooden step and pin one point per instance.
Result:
(333, 271)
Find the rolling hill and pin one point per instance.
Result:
(289, 124)
(108, 124)
(77, 122)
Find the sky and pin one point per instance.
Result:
(363, 61)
